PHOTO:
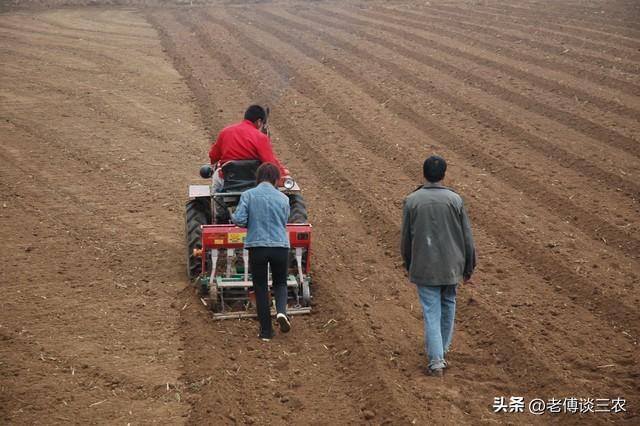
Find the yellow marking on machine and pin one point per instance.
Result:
(235, 237)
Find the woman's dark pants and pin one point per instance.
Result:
(278, 258)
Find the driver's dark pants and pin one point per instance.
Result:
(278, 258)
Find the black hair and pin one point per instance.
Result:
(255, 113)
(267, 172)
(434, 168)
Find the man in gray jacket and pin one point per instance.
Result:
(438, 252)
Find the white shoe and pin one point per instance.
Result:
(283, 322)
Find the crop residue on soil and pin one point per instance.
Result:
(106, 114)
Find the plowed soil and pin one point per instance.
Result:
(106, 113)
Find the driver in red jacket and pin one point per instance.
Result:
(243, 141)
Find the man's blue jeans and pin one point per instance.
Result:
(439, 311)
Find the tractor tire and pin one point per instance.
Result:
(197, 212)
(297, 209)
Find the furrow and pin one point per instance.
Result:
(502, 41)
(523, 183)
(546, 264)
(627, 38)
(347, 23)
(82, 85)
(385, 226)
(380, 393)
(482, 115)
(584, 19)
(565, 39)
(6, 53)
(107, 18)
(53, 35)
(609, 34)
(271, 58)
(22, 37)
(79, 30)
(205, 103)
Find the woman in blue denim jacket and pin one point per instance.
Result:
(264, 211)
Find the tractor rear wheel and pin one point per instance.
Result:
(197, 212)
(297, 209)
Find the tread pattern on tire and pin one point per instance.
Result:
(197, 212)
(297, 209)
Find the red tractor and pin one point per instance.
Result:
(217, 262)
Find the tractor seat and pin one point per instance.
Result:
(239, 175)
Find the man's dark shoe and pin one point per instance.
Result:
(283, 322)
(265, 337)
